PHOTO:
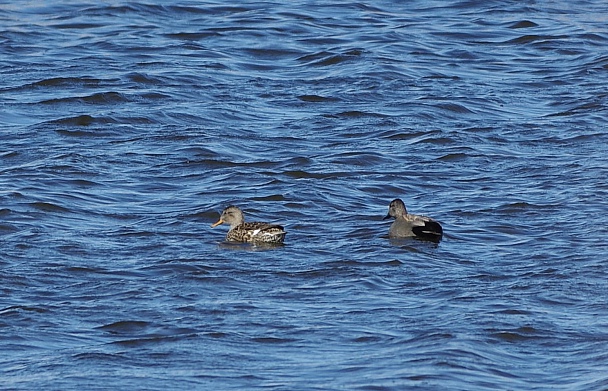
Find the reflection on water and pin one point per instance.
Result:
(249, 246)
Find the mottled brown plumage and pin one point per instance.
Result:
(254, 232)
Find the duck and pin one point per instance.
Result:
(408, 225)
(252, 232)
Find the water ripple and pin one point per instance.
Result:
(127, 128)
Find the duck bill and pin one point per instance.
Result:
(220, 221)
(388, 216)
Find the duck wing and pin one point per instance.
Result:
(259, 232)
(260, 227)
(427, 228)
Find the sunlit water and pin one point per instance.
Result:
(126, 127)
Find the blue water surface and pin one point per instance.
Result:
(126, 127)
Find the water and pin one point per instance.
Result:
(126, 127)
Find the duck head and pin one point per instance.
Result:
(396, 209)
(231, 215)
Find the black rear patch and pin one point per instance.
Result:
(431, 230)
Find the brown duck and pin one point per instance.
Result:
(254, 232)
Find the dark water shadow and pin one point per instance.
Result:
(413, 243)
(239, 246)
